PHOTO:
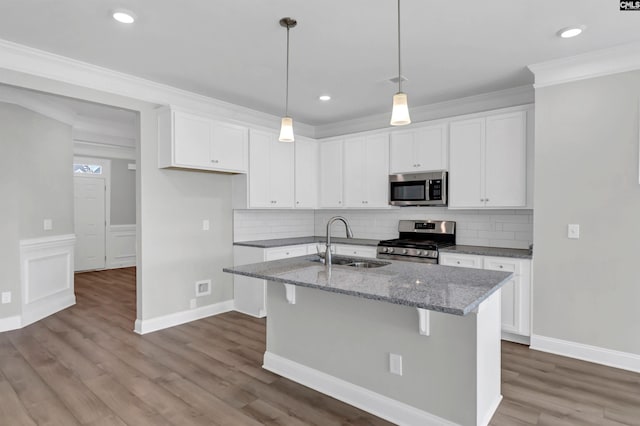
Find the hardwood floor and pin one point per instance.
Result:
(84, 366)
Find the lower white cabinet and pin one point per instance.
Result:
(250, 293)
(516, 294)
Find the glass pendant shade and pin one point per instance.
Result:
(400, 111)
(286, 130)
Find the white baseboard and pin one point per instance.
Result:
(372, 402)
(516, 338)
(598, 355)
(45, 307)
(10, 323)
(491, 412)
(171, 320)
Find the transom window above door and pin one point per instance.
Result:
(87, 169)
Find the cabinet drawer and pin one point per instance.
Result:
(503, 264)
(359, 251)
(285, 252)
(461, 260)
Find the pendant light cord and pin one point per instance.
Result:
(399, 66)
(286, 102)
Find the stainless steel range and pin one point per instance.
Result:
(419, 241)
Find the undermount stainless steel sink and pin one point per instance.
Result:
(354, 263)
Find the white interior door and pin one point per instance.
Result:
(90, 225)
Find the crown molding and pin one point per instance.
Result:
(521, 95)
(27, 60)
(598, 63)
(102, 150)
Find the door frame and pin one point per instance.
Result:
(106, 176)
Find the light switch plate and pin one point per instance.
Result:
(573, 231)
(47, 224)
(6, 297)
(395, 364)
(205, 225)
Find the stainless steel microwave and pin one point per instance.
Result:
(418, 189)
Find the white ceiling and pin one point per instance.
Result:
(234, 50)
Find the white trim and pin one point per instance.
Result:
(372, 402)
(24, 59)
(37, 103)
(516, 338)
(10, 323)
(491, 411)
(95, 149)
(171, 320)
(598, 63)
(598, 355)
(50, 260)
(117, 259)
(471, 104)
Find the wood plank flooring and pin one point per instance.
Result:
(84, 366)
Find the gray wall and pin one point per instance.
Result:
(37, 184)
(587, 290)
(123, 193)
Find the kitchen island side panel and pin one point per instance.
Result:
(351, 338)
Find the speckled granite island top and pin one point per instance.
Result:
(439, 288)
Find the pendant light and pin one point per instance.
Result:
(286, 127)
(400, 111)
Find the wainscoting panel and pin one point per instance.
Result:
(121, 246)
(46, 276)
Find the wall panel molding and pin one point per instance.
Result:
(121, 246)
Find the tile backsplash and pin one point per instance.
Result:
(494, 228)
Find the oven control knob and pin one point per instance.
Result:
(383, 249)
(390, 250)
(420, 253)
(404, 251)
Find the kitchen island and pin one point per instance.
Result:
(416, 344)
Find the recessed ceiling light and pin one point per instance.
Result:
(571, 31)
(324, 98)
(124, 16)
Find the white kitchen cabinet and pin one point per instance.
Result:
(270, 182)
(366, 165)
(419, 150)
(515, 295)
(355, 250)
(306, 173)
(250, 293)
(488, 162)
(331, 178)
(192, 141)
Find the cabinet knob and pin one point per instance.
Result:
(481, 200)
(458, 262)
(339, 202)
(418, 165)
(214, 161)
(297, 202)
(501, 266)
(486, 199)
(287, 253)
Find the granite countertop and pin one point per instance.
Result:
(448, 289)
(489, 251)
(281, 242)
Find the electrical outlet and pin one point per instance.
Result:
(193, 304)
(6, 297)
(205, 225)
(47, 224)
(395, 364)
(203, 288)
(573, 231)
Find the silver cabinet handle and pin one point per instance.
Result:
(214, 161)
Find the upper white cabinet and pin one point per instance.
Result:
(419, 150)
(306, 173)
(192, 141)
(331, 178)
(488, 162)
(271, 171)
(366, 165)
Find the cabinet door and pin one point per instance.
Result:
(376, 164)
(506, 160)
(331, 174)
(511, 292)
(402, 158)
(259, 169)
(461, 260)
(306, 173)
(281, 173)
(431, 148)
(354, 172)
(229, 147)
(191, 138)
(466, 157)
